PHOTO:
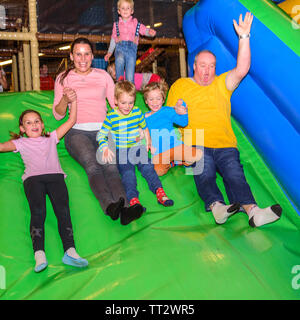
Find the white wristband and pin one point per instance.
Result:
(244, 36)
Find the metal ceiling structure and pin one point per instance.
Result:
(32, 27)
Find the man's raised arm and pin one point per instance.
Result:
(236, 75)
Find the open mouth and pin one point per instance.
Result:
(155, 108)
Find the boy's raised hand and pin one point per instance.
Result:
(152, 33)
(180, 107)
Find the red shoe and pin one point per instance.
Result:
(163, 199)
(134, 201)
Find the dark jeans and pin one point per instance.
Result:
(104, 179)
(36, 188)
(125, 59)
(127, 159)
(225, 161)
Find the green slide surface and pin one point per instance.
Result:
(169, 253)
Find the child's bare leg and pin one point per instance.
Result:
(187, 154)
(161, 169)
(162, 162)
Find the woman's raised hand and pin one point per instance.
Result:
(69, 95)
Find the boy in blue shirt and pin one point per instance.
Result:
(170, 150)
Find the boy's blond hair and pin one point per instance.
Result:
(128, 1)
(161, 85)
(125, 87)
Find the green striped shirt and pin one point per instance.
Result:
(124, 128)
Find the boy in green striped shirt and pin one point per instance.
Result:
(124, 122)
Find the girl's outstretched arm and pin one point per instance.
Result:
(65, 127)
(7, 146)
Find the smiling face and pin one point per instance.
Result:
(125, 103)
(205, 68)
(125, 10)
(154, 100)
(32, 125)
(82, 56)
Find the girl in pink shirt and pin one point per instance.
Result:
(43, 176)
(124, 40)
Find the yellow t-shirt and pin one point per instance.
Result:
(209, 110)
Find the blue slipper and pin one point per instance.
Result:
(80, 262)
(41, 267)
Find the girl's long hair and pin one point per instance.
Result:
(15, 136)
(71, 66)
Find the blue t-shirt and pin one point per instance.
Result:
(162, 131)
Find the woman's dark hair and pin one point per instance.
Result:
(21, 134)
(80, 40)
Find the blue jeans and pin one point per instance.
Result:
(225, 161)
(125, 58)
(127, 159)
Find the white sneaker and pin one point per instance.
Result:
(222, 212)
(259, 217)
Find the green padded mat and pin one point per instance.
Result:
(169, 253)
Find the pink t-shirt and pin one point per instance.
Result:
(39, 155)
(91, 90)
(127, 29)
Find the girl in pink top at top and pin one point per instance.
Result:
(124, 40)
(44, 176)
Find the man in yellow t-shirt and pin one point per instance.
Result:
(207, 97)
